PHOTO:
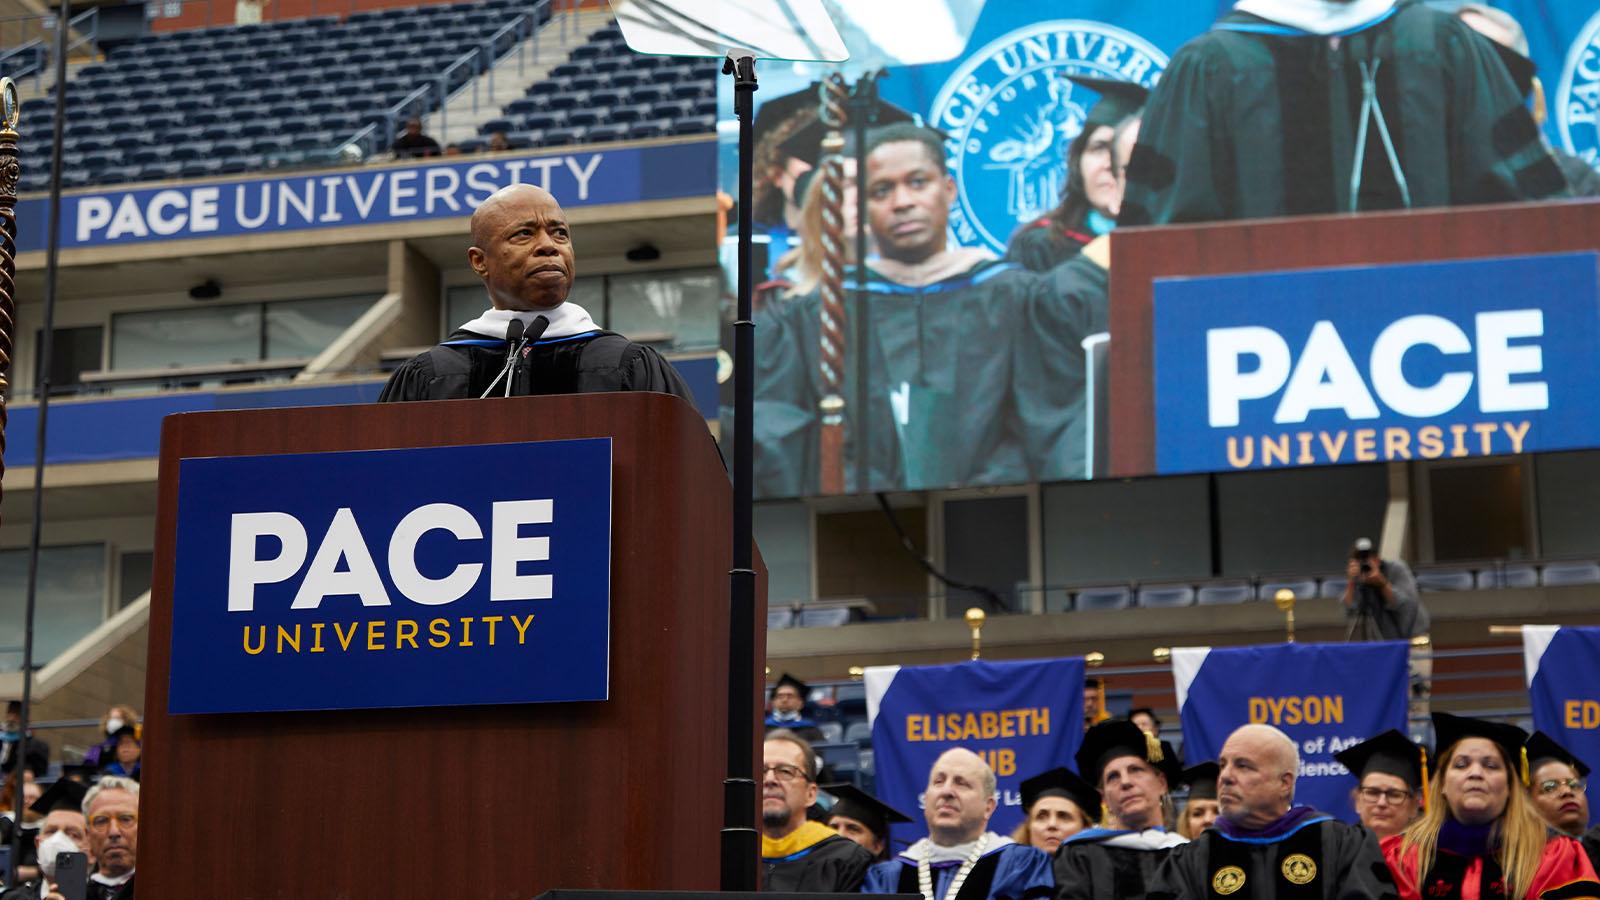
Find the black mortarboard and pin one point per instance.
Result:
(1116, 738)
(1390, 753)
(64, 794)
(79, 772)
(1118, 99)
(797, 684)
(806, 143)
(1542, 748)
(1202, 780)
(854, 803)
(1448, 730)
(1062, 782)
(125, 731)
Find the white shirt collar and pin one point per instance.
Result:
(566, 320)
(1318, 16)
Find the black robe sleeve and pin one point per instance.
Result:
(1040, 248)
(645, 370)
(785, 421)
(1049, 367)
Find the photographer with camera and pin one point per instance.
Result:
(1380, 597)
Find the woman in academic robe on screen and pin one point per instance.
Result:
(1479, 836)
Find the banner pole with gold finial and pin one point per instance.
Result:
(975, 620)
(1284, 600)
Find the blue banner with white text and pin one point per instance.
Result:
(1376, 363)
(1563, 666)
(1325, 697)
(1022, 717)
(345, 581)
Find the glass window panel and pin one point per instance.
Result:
(1478, 511)
(859, 555)
(298, 329)
(1569, 494)
(73, 351)
(71, 599)
(1115, 531)
(1298, 521)
(986, 544)
(196, 336)
(783, 532)
(134, 579)
(673, 310)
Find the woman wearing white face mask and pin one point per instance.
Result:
(63, 830)
(116, 718)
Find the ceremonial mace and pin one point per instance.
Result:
(10, 173)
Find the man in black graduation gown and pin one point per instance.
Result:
(1292, 107)
(940, 323)
(1263, 846)
(1133, 771)
(531, 341)
(789, 709)
(798, 854)
(62, 830)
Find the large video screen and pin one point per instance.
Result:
(970, 349)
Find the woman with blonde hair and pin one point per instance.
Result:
(1479, 835)
(1202, 808)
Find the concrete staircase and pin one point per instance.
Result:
(480, 100)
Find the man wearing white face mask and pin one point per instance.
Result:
(64, 830)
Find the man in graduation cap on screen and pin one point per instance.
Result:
(1134, 772)
(862, 818)
(1389, 781)
(1559, 782)
(530, 340)
(789, 708)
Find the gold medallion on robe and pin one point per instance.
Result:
(1227, 880)
(1299, 869)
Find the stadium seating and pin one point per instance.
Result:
(1166, 595)
(605, 92)
(1509, 575)
(1448, 579)
(1303, 588)
(1580, 572)
(1224, 592)
(1113, 597)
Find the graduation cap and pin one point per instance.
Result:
(806, 143)
(1390, 753)
(64, 794)
(1118, 100)
(1116, 738)
(1449, 730)
(791, 681)
(1062, 782)
(773, 113)
(79, 772)
(854, 803)
(1542, 748)
(1202, 780)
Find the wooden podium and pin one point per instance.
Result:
(481, 801)
(1141, 255)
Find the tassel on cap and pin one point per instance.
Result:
(1525, 781)
(1422, 752)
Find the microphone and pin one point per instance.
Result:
(534, 332)
(518, 336)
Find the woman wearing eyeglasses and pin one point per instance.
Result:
(1391, 771)
(1558, 784)
(1479, 835)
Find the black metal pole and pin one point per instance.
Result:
(741, 844)
(863, 114)
(46, 332)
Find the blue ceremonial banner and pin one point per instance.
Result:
(1327, 697)
(443, 576)
(1448, 359)
(1563, 667)
(1022, 717)
(372, 195)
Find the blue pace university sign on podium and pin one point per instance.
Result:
(442, 576)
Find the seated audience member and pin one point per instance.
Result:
(798, 854)
(111, 723)
(62, 830)
(1201, 809)
(862, 818)
(34, 752)
(1133, 770)
(1055, 806)
(1558, 782)
(1396, 104)
(961, 859)
(1094, 703)
(498, 142)
(30, 818)
(128, 752)
(1093, 193)
(412, 142)
(111, 809)
(788, 708)
(1146, 719)
(1389, 781)
(1501, 27)
(1263, 845)
(1479, 834)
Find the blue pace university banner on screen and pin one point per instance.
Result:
(428, 577)
(1327, 697)
(1377, 363)
(1022, 717)
(1563, 667)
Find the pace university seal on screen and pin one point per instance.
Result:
(1010, 113)
(1578, 100)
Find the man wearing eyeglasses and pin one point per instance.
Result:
(112, 810)
(798, 855)
(1558, 781)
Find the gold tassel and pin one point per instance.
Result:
(1525, 782)
(1152, 748)
(1423, 753)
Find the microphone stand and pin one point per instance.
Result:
(516, 339)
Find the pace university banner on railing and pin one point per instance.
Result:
(1563, 666)
(442, 576)
(1327, 697)
(1022, 717)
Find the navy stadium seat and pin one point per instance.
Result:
(1564, 573)
(584, 117)
(694, 125)
(649, 128)
(557, 137)
(1303, 588)
(1165, 595)
(1224, 592)
(1113, 597)
(1509, 575)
